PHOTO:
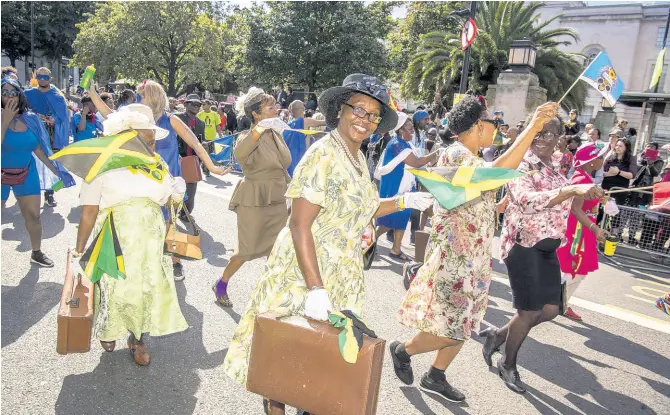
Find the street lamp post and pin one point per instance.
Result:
(32, 35)
(522, 55)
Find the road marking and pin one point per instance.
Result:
(609, 310)
(656, 277)
(644, 300)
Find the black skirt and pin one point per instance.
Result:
(535, 275)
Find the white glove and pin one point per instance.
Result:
(611, 208)
(178, 185)
(317, 305)
(75, 266)
(418, 200)
(275, 124)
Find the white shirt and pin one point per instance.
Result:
(121, 185)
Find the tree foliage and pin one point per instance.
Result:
(438, 60)
(316, 44)
(422, 17)
(175, 43)
(54, 27)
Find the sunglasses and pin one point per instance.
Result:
(545, 136)
(11, 93)
(43, 77)
(195, 104)
(362, 113)
(494, 122)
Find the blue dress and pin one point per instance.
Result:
(295, 142)
(17, 153)
(390, 184)
(168, 148)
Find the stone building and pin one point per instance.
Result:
(632, 35)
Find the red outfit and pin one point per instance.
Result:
(580, 255)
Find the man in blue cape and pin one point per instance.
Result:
(296, 142)
(49, 104)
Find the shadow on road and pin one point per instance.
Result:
(26, 304)
(52, 224)
(118, 386)
(567, 370)
(220, 184)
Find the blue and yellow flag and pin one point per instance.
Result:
(454, 186)
(601, 75)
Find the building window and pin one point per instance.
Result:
(659, 37)
(661, 82)
(590, 56)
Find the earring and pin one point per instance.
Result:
(481, 132)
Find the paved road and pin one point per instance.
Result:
(615, 362)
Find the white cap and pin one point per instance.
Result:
(402, 119)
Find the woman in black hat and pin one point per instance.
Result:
(316, 264)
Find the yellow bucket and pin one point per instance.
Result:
(610, 245)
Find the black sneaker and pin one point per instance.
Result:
(40, 259)
(49, 200)
(510, 377)
(443, 389)
(178, 271)
(403, 369)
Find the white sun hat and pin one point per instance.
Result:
(133, 117)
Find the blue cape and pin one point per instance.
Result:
(47, 178)
(58, 107)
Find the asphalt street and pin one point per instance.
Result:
(614, 362)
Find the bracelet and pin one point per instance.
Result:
(400, 203)
(590, 226)
(75, 254)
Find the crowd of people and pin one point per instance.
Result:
(304, 201)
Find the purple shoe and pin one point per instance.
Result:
(220, 289)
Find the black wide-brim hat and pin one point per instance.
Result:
(366, 85)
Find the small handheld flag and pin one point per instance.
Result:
(601, 75)
(104, 255)
(57, 186)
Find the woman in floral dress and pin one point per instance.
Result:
(316, 264)
(448, 297)
(535, 226)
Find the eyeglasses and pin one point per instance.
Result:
(195, 104)
(43, 77)
(545, 136)
(362, 113)
(11, 93)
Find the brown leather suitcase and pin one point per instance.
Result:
(75, 314)
(297, 361)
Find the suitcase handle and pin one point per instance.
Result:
(74, 302)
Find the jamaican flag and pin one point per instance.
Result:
(89, 158)
(454, 186)
(351, 337)
(104, 255)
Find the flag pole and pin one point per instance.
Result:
(570, 89)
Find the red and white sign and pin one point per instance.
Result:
(469, 33)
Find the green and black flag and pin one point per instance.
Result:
(104, 255)
(351, 337)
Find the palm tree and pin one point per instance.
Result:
(438, 61)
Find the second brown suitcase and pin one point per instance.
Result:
(297, 361)
(75, 314)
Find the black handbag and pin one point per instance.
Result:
(563, 304)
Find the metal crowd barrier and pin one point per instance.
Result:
(643, 233)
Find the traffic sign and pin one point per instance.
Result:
(469, 33)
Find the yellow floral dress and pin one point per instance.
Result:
(324, 177)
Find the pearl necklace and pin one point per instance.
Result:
(340, 141)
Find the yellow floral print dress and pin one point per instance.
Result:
(324, 177)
